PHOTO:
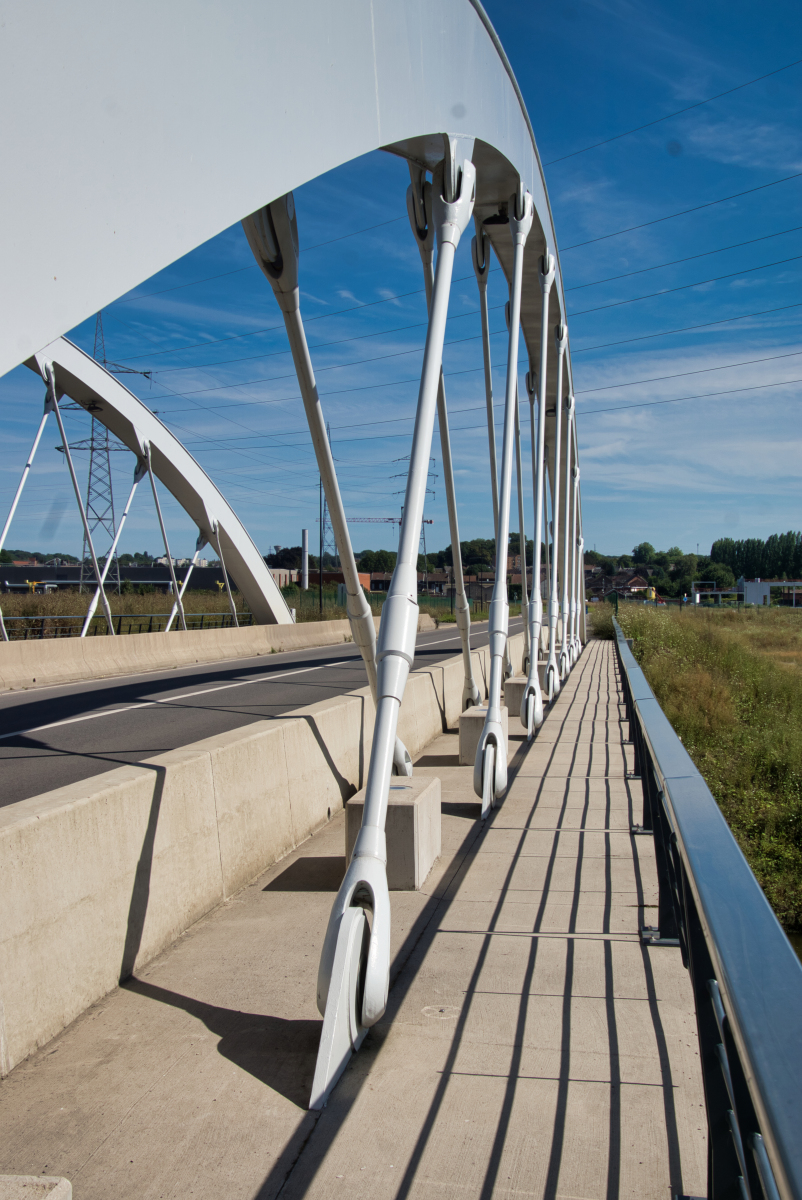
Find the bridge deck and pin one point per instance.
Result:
(532, 1047)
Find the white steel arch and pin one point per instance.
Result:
(210, 113)
(202, 115)
(88, 383)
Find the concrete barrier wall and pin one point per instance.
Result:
(67, 660)
(99, 877)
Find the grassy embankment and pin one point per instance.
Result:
(57, 607)
(730, 682)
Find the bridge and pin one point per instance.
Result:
(582, 991)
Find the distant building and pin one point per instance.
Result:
(785, 592)
(329, 577)
(283, 576)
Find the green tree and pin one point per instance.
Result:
(644, 552)
(288, 557)
(515, 547)
(377, 560)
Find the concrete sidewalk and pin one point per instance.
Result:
(531, 1047)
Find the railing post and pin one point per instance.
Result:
(666, 932)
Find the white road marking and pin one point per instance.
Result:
(222, 687)
(113, 712)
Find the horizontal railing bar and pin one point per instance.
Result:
(131, 616)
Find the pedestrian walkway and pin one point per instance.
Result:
(532, 1046)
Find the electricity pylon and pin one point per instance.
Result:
(99, 493)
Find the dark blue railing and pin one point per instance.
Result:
(747, 980)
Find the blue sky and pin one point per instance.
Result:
(684, 472)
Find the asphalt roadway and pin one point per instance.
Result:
(54, 736)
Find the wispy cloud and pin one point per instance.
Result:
(744, 142)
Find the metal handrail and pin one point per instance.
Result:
(746, 978)
(51, 626)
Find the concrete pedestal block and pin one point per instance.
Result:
(514, 690)
(471, 724)
(413, 829)
(34, 1187)
(514, 693)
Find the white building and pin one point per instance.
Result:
(758, 591)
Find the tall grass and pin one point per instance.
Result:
(67, 602)
(731, 685)
(600, 620)
(57, 607)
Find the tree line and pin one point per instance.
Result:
(779, 557)
(478, 556)
(670, 571)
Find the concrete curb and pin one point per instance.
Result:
(67, 660)
(99, 877)
(34, 1187)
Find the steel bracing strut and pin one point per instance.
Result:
(167, 554)
(354, 973)
(575, 646)
(199, 544)
(140, 471)
(419, 207)
(26, 470)
(532, 700)
(490, 767)
(519, 476)
(552, 667)
(480, 253)
(272, 234)
(565, 661)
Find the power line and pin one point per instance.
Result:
(684, 287)
(682, 213)
(356, 362)
(674, 262)
(252, 266)
(677, 399)
(316, 346)
(475, 370)
(500, 405)
(461, 279)
(471, 312)
(458, 341)
(269, 328)
(669, 116)
(619, 408)
(685, 328)
(681, 375)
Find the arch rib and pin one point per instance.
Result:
(89, 384)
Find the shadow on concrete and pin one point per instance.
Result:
(467, 810)
(140, 895)
(280, 1054)
(310, 875)
(437, 694)
(437, 760)
(403, 973)
(346, 788)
